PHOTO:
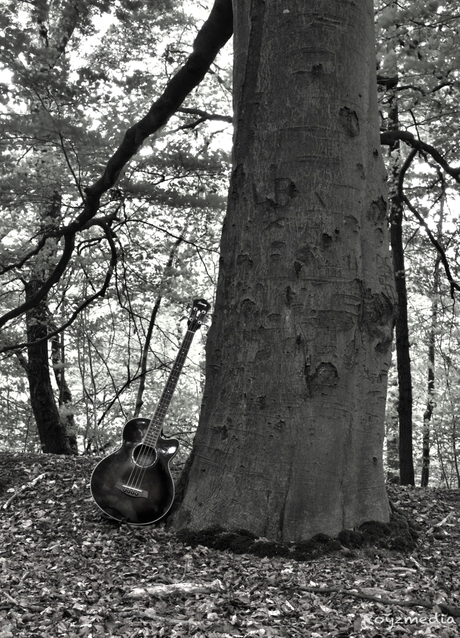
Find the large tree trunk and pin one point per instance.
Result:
(291, 430)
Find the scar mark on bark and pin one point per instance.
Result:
(378, 318)
(248, 306)
(317, 69)
(263, 355)
(378, 210)
(325, 375)
(320, 199)
(244, 258)
(289, 295)
(284, 190)
(349, 121)
(326, 240)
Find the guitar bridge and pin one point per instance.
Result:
(131, 491)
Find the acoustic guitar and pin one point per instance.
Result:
(134, 484)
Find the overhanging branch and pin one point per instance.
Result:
(204, 115)
(212, 36)
(442, 255)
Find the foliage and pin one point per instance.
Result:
(77, 74)
(418, 70)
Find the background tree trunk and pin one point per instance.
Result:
(290, 438)
(51, 430)
(406, 460)
(66, 411)
(427, 415)
(392, 441)
(431, 397)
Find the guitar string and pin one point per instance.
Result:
(143, 450)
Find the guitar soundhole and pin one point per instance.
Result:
(144, 455)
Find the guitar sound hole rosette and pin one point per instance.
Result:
(144, 455)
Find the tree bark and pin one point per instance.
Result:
(290, 438)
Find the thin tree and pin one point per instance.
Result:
(397, 172)
(151, 326)
(430, 389)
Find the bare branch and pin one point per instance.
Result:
(441, 252)
(99, 293)
(442, 255)
(389, 138)
(203, 115)
(69, 243)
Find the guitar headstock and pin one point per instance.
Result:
(200, 309)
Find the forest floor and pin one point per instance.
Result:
(65, 571)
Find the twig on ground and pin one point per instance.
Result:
(22, 489)
(176, 588)
(441, 523)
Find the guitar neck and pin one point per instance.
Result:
(153, 431)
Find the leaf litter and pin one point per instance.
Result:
(65, 571)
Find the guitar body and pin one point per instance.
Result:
(134, 484)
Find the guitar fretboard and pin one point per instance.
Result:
(154, 428)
